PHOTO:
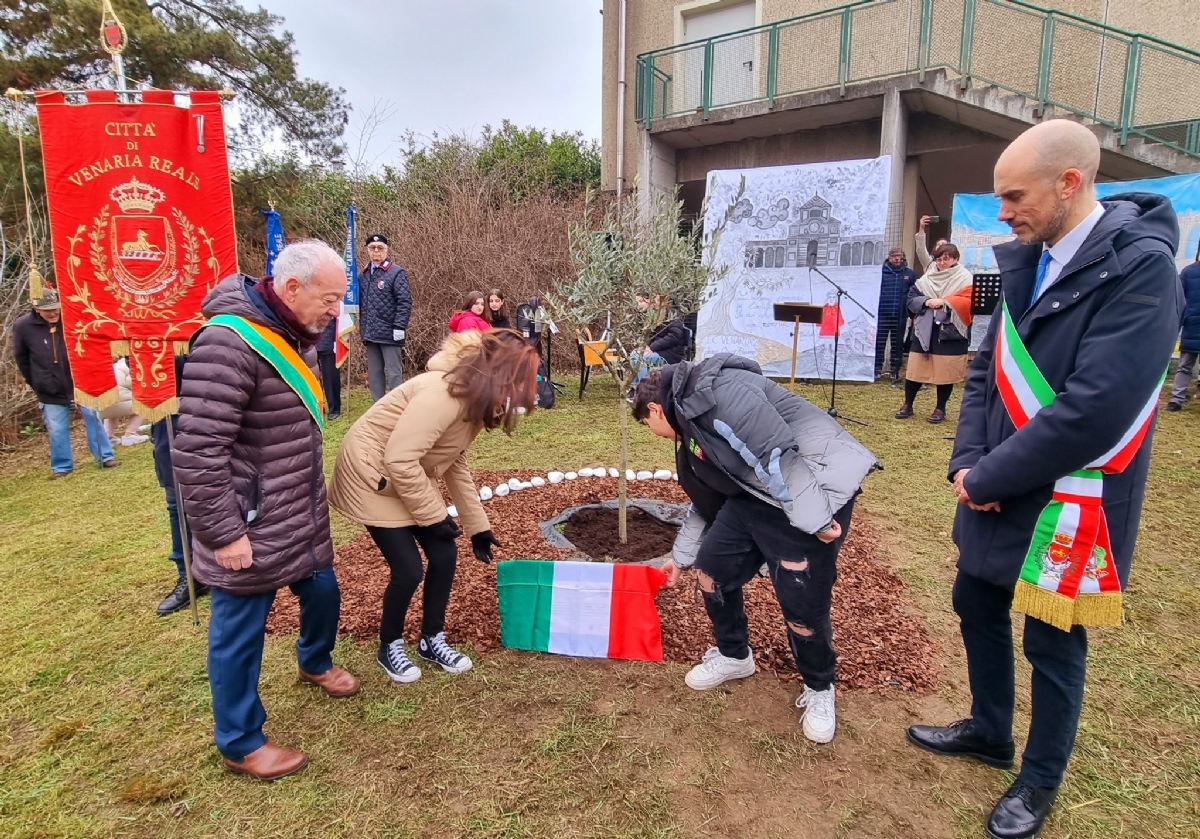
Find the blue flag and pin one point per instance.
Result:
(275, 240)
(351, 298)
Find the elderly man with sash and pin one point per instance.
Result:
(1052, 450)
(248, 461)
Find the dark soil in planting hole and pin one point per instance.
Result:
(594, 532)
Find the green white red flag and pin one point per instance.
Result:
(590, 609)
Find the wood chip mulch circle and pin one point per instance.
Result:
(880, 644)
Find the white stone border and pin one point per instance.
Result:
(487, 493)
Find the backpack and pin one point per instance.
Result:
(545, 388)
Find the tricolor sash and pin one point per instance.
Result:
(283, 357)
(1068, 576)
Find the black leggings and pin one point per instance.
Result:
(399, 548)
(911, 388)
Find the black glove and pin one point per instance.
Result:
(446, 529)
(481, 544)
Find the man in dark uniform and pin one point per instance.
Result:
(385, 304)
(1056, 427)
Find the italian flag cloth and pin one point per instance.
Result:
(589, 609)
(1068, 575)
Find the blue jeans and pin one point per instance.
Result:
(58, 427)
(236, 631)
(649, 361)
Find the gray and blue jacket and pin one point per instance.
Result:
(771, 443)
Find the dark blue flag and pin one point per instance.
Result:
(351, 298)
(275, 240)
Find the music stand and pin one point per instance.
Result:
(797, 313)
(985, 293)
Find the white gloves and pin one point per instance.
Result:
(397, 334)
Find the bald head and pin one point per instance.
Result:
(1046, 180)
(1053, 147)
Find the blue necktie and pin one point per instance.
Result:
(1043, 264)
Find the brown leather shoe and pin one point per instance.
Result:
(335, 681)
(269, 762)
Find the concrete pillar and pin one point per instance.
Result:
(656, 168)
(894, 141)
(912, 182)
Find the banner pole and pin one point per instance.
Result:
(183, 531)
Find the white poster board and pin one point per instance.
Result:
(837, 211)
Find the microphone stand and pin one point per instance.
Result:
(837, 334)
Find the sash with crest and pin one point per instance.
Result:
(283, 357)
(1068, 575)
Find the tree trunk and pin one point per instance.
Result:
(622, 465)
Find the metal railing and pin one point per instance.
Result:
(1134, 83)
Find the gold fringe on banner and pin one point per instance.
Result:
(181, 347)
(1101, 609)
(1045, 605)
(119, 349)
(162, 411)
(98, 403)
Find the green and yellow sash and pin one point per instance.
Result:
(283, 357)
(1068, 576)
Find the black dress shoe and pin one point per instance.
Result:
(1021, 812)
(961, 739)
(333, 415)
(178, 598)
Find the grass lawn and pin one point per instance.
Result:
(105, 721)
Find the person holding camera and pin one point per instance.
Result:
(923, 256)
(941, 303)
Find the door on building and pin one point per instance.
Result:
(735, 60)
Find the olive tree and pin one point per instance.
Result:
(635, 247)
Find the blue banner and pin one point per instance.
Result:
(351, 298)
(275, 239)
(975, 228)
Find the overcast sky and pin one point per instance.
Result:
(452, 65)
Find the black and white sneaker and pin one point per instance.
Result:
(396, 662)
(434, 648)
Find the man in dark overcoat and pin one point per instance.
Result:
(385, 304)
(1092, 291)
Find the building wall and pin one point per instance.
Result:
(652, 24)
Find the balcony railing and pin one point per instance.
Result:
(1136, 84)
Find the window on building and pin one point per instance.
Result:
(845, 260)
(868, 253)
(856, 254)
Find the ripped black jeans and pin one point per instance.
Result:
(748, 532)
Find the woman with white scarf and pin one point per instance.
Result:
(940, 301)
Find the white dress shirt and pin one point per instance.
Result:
(1068, 246)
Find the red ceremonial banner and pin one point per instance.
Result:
(141, 220)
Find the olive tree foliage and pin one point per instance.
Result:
(637, 247)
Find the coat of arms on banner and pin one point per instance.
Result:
(141, 218)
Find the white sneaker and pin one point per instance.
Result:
(715, 669)
(133, 439)
(819, 718)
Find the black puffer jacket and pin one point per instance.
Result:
(670, 341)
(385, 302)
(248, 455)
(41, 353)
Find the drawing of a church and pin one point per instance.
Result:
(815, 231)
